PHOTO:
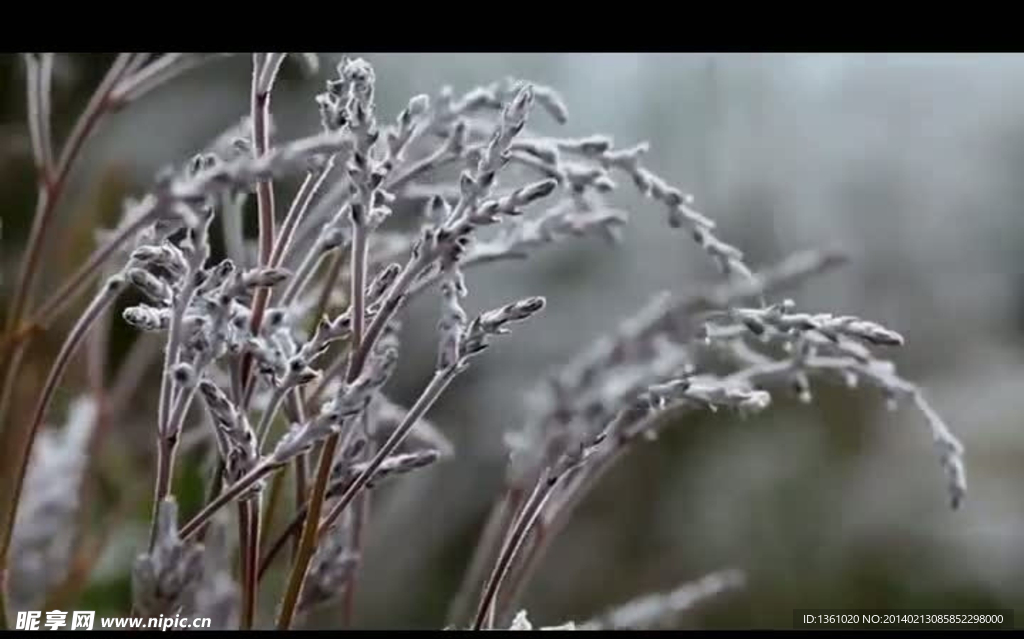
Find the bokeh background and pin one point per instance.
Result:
(912, 163)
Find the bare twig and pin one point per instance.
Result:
(39, 75)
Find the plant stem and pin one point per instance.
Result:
(268, 416)
(394, 297)
(294, 527)
(359, 519)
(260, 114)
(216, 483)
(52, 189)
(301, 487)
(65, 294)
(229, 494)
(297, 211)
(362, 514)
(244, 543)
(308, 265)
(264, 71)
(423, 403)
(168, 425)
(140, 81)
(333, 272)
(358, 297)
(307, 543)
(276, 487)
(167, 448)
(252, 587)
(500, 519)
(301, 464)
(250, 510)
(39, 72)
(529, 514)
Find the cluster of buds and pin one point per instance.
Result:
(236, 440)
(348, 403)
(780, 318)
(165, 579)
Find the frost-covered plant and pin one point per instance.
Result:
(45, 529)
(289, 343)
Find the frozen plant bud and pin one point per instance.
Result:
(550, 101)
(201, 162)
(393, 465)
(331, 566)
(451, 325)
(382, 197)
(437, 211)
(216, 276)
(515, 114)
(298, 374)
(755, 401)
(358, 73)
(220, 407)
(850, 379)
(419, 104)
(264, 277)
(802, 387)
(874, 333)
(456, 144)
(115, 284)
(242, 146)
(239, 315)
(543, 151)
(164, 580)
(50, 513)
(333, 237)
(166, 256)
(467, 185)
(533, 192)
(595, 145)
(183, 374)
(236, 439)
(276, 318)
(383, 281)
(495, 322)
(150, 285)
(332, 115)
(147, 318)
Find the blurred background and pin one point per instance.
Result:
(911, 163)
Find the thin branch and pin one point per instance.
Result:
(426, 400)
(308, 541)
(249, 516)
(46, 207)
(165, 68)
(311, 533)
(66, 293)
(517, 535)
(226, 496)
(501, 518)
(311, 185)
(307, 544)
(39, 76)
(264, 72)
(244, 511)
(267, 418)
